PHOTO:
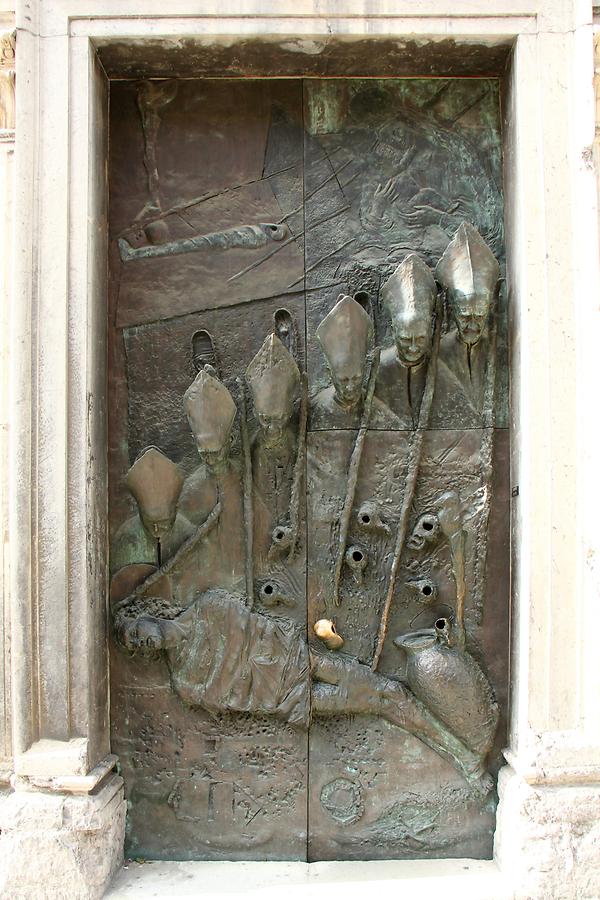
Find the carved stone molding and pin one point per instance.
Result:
(7, 80)
(7, 183)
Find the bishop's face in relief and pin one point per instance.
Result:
(470, 313)
(155, 483)
(347, 379)
(273, 378)
(469, 272)
(412, 336)
(409, 296)
(344, 336)
(211, 411)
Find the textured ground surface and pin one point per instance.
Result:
(460, 878)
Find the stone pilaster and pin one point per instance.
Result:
(58, 573)
(7, 153)
(596, 156)
(62, 822)
(547, 837)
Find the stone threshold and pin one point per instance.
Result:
(464, 879)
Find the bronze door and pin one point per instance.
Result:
(308, 466)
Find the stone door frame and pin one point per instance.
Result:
(57, 406)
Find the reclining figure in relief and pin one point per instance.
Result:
(224, 656)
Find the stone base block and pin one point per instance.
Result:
(548, 839)
(61, 846)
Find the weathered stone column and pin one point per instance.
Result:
(597, 95)
(63, 824)
(7, 155)
(548, 834)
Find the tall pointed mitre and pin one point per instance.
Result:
(273, 378)
(156, 483)
(410, 292)
(344, 334)
(469, 268)
(210, 411)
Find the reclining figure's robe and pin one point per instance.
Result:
(226, 657)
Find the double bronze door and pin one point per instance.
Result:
(292, 509)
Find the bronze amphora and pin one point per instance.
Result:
(449, 682)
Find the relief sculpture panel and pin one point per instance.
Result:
(308, 467)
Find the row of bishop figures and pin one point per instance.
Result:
(193, 571)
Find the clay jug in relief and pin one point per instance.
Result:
(449, 682)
